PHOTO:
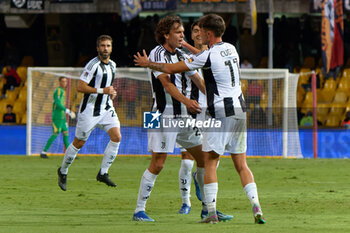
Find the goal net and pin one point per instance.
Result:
(272, 118)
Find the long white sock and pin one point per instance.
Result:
(146, 186)
(109, 156)
(252, 193)
(200, 180)
(68, 159)
(211, 191)
(185, 180)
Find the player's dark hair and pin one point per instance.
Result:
(214, 23)
(164, 26)
(103, 38)
(195, 23)
(9, 106)
(60, 78)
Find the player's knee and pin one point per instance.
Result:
(116, 138)
(78, 143)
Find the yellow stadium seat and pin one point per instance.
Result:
(322, 109)
(19, 107)
(12, 95)
(327, 95)
(330, 84)
(306, 107)
(22, 96)
(346, 72)
(24, 119)
(22, 72)
(344, 85)
(308, 97)
(300, 98)
(340, 97)
(321, 118)
(337, 109)
(332, 121)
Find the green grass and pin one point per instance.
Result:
(296, 196)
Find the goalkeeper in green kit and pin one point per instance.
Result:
(59, 122)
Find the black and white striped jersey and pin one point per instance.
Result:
(98, 75)
(164, 102)
(220, 67)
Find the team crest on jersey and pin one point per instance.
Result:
(190, 60)
(86, 74)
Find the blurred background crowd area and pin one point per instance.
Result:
(69, 40)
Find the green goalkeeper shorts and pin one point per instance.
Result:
(59, 126)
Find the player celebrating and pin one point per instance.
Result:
(96, 110)
(225, 101)
(186, 157)
(172, 99)
(59, 122)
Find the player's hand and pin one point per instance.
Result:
(70, 113)
(193, 106)
(113, 96)
(109, 90)
(141, 60)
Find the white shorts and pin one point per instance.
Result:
(160, 141)
(232, 137)
(86, 124)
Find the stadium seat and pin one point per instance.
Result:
(19, 107)
(332, 121)
(308, 97)
(244, 85)
(306, 107)
(346, 72)
(300, 98)
(322, 118)
(340, 97)
(344, 85)
(22, 72)
(327, 95)
(309, 62)
(22, 96)
(337, 109)
(322, 109)
(23, 119)
(330, 84)
(11, 95)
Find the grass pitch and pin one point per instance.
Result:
(296, 196)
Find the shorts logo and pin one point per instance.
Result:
(151, 120)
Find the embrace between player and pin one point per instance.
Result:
(225, 102)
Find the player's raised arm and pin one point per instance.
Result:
(168, 68)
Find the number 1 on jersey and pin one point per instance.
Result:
(229, 64)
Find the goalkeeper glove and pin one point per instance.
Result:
(70, 113)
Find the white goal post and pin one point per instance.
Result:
(271, 115)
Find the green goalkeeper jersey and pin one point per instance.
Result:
(58, 108)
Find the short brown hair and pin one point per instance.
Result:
(103, 38)
(61, 77)
(164, 26)
(214, 23)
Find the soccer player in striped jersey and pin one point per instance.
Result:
(220, 65)
(172, 95)
(59, 121)
(96, 110)
(187, 159)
